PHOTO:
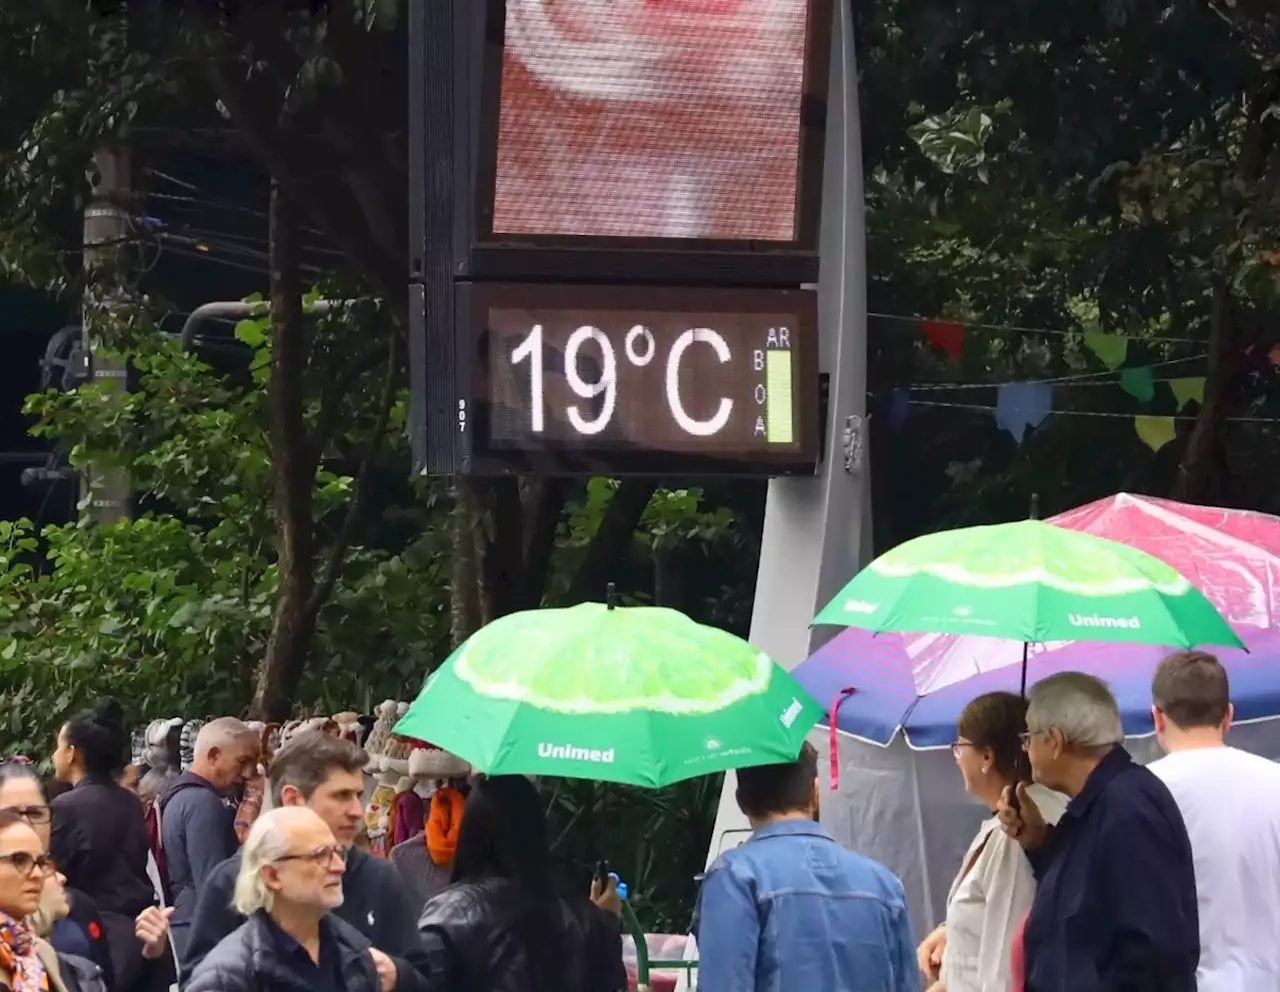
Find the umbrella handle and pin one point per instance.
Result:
(833, 740)
(631, 924)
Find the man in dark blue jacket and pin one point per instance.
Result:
(326, 774)
(197, 815)
(1115, 908)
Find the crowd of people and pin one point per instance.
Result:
(86, 905)
(1092, 873)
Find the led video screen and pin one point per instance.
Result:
(671, 119)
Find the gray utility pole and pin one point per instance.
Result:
(107, 227)
(817, 531)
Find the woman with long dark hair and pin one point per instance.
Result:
(99, 832)
(503, 924)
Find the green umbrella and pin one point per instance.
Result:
(1028, 581)
(639, 695)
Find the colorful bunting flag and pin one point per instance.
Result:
(1139, 383)
(1110, 349)
(1274, 355)
(946, 335)
(1020, 405)
(1155, 432)
(1187, 391)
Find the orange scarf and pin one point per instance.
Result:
(443, 823)
(18, 956)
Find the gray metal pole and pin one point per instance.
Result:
(817, 530)
(107, 227)
(234, 310)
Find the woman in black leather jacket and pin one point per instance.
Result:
(503, 925)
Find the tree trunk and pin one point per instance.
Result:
(612, 540)
(464, 584)
(502, 553)
(294, 464)
(1202, 475)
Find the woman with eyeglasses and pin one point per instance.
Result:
(99, 837)
(67, 918)
(27, 962)
(994, 888)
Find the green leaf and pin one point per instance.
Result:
(252, 332)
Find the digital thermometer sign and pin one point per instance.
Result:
(630, 380)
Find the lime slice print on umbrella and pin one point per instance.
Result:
(656, 660)
(1070, 562)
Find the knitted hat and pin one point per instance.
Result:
(348, 725)
(138, 747)
(273, 742)
(387, 714)
(187, 742)
(288, 730)
(431, 762)
(163, 744)
(323, 724)
(395, 756)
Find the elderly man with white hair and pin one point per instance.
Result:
(1115, 907)
(289, 882)
(197, 814)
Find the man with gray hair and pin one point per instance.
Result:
(326, 775)
(289, 882)
(197, 815)
(1115, 906)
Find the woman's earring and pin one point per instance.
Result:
(986, 769)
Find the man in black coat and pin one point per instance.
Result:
(290, 882)
(1115, 907)
(326, 774)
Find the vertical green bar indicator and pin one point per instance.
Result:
(779, 405)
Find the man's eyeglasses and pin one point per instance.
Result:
(32, 814)
(321, 856)
(24, 863)
(1026, 735)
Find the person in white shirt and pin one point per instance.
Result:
(1230, 801)
(995, 886)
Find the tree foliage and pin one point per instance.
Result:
(1099, 167)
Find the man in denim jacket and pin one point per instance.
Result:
(791, 909)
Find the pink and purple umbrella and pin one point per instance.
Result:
(919, 683)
